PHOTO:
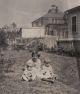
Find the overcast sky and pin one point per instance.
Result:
(22, 12)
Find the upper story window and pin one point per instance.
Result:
(74, 24)
(54, 21)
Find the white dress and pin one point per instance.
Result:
(34, 72)
(46, 72)
(27, 75)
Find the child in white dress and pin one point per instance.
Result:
(46, 71)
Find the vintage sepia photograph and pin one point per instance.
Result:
(39, 46)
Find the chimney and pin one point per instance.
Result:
(54, 9)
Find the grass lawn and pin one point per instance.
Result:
(64, 67)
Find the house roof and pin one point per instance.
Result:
(52, 14)
(73, 9)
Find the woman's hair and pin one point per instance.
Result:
(35, 53)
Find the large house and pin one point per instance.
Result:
(55, 26)
(61, 29)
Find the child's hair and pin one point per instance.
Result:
(47, 60)
(38, 55)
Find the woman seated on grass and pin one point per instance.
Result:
(32, 68)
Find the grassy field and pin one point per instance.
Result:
(64, 67)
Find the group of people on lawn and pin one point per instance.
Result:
(34, 69)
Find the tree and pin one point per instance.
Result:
(3, 44)
(20, 32)
(14, 25)
(5, 26)
(3, 39)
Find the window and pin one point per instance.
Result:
(66, 34)
(51, 33)
(37, 23)
(54, 21)
(74, 24)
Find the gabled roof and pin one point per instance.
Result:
(52, 14)
(73, 9)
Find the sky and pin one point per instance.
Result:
(23, 12)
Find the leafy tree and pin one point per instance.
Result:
(14, 25)
(3, 39)
(3, 44)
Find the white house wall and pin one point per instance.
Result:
(33, 32)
